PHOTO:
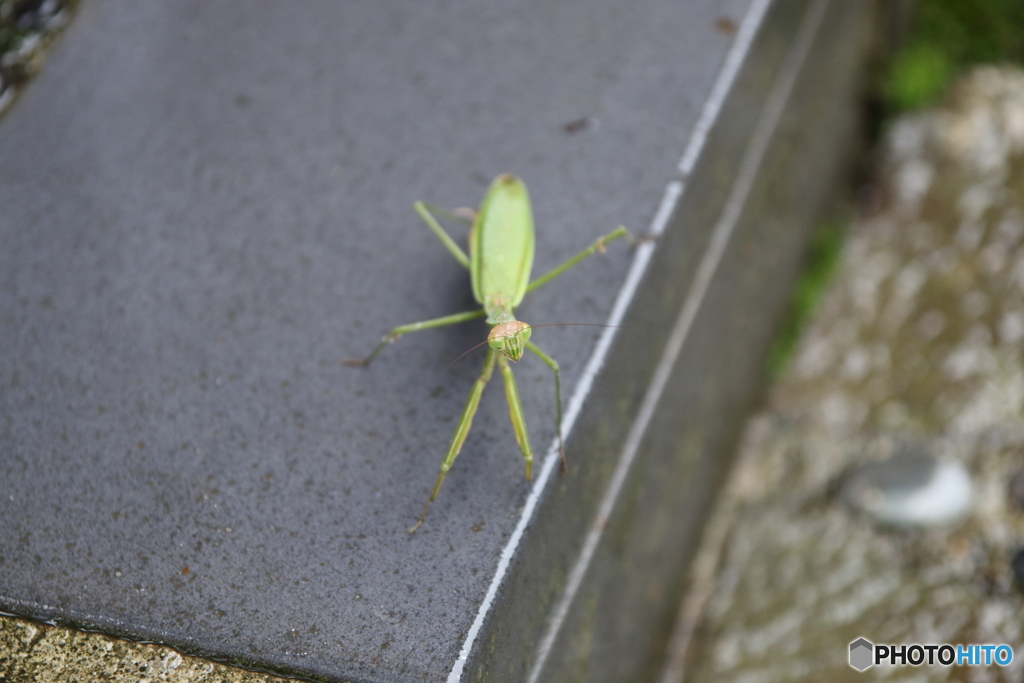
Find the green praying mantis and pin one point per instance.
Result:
(501, 249)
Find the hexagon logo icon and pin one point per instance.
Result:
(861, 651)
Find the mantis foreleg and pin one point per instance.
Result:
(515, 412)
(461, 430)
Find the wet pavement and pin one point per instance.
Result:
(916, 347)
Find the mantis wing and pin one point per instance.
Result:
(502, 244)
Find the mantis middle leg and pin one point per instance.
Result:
(392, 336)
(553, 364)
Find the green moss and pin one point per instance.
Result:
(949, 35)
(917, 76)
(822, 258)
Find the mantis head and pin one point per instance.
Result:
(510, 338)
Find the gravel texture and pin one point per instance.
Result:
(39, 653)
(917, 340)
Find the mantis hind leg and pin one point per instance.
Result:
(595, 248)
(424, 210)
(461, 431)
(515, 412)
(553, 364)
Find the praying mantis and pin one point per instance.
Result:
(501, 249)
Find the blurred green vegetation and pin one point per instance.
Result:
(26, 28)
(822, 258)
(946, 37)
(10, 32)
